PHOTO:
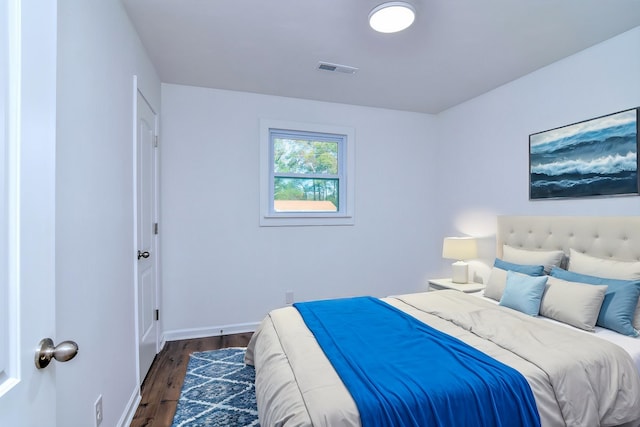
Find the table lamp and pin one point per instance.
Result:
(460, 249)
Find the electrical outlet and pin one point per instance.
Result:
(288, 297)
(98, 410)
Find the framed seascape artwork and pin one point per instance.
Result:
(596, 157)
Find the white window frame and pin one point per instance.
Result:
(346, 159)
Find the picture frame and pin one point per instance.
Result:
(592, 158)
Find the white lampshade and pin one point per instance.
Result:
(459, 248)
(392, 17)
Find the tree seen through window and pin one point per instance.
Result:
(306, 174)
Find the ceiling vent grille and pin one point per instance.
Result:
(327, 66)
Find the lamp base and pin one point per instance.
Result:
(459, 272)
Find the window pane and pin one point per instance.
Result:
(305, 156)
(305, 195)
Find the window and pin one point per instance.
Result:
(306, 174)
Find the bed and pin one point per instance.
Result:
(579, 372)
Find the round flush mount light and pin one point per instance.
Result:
(392, 17)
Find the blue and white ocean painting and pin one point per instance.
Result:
(593, 158)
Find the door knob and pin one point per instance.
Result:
(144, 254)
(62, 352)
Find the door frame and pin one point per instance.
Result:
(155, 239)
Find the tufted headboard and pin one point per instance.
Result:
(615, 237)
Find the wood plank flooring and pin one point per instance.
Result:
(161, 387)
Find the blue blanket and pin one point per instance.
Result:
(402, 372)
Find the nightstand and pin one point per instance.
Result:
(439, 284)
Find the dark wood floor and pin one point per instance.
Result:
(161, 387)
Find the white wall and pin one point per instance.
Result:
(419, 178)
(492, 174)
(222, 271)
(98, 54)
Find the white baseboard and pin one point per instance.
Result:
(213, 331)
(130, 410)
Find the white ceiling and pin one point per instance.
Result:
(454, 51)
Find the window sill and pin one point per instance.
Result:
(287, 220)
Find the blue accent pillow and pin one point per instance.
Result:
(619, 303)
(523, 292)
(531, 270)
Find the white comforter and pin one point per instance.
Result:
(577, 380)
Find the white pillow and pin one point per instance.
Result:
(601, 267)
(574, 303)
(523, 256)
(609, 268)
(496, 283)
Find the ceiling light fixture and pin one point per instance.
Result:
(392, 17)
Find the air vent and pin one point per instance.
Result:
(327, 66)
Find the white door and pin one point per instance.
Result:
(146, 243)
(27, 209)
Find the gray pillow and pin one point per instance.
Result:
(576, 304)
(498, 277)
(609, 268)
(524, 256)
(603, 267)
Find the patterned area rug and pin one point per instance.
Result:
(218, 391)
